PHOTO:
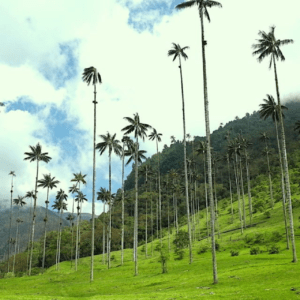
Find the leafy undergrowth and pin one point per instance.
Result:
(243, 276)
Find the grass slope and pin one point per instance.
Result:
(246, 276)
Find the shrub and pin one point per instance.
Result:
(203, 249)
(9, 275)
(276, 237)
(274, 249)
(179, 254)
(258, 206)
(267, 214)
(217, 246)
(234, 253)
(112, 258)
(164, 257)
(254, 251)
(182, 240)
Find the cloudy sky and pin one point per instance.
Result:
(45, 45)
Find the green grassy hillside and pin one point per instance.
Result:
(261, 276)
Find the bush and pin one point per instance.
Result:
(182, 240)
(255, 251)
(234, 253)
(179, 254)
(112, 258)
(217, 246)
(203, 249)
(267, 214)
(274, 249)
(164, 257)
(9, 275)
(276, 237)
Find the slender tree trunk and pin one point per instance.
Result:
(123, 196)
(77, 236)
(286, 169)
(72, 233)
(103, 239)
(109, 226)
(45, 231)
(206, 196)
(151, 224)
(33, 218)
(270, 182)
(10, 220)
(29, 236)
(243, 194)
(159, 194)
(282, 190)
(94, 185)
(236, 173)
(230, 189)
(216, 203)
(16, 243)
(185, 168)
(249, 188)
(136, 209)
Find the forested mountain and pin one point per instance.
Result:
(25, 225)
(250, 126)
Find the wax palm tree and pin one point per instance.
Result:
(266, 152)
(234, 148)
(91, 75)
(139, 129)
(202, 9)
(269, 45)
(35, 155)
(245, 144)
(270, 109)
(73, 189)
(78, 178)
(79, 198)
(19, 202)
(60, 206)
(157, 137)
(127, 142)
(48, 183)
(297, 126)
(177, 51)
(103, 195)
(30, 195)
(12, 174)
(112, 145)
(173, 139)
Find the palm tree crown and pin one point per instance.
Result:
(110, 143)
(48, 182)
(270, 108)
(91, 74)
(268, 44)
(19, 201)
(136, 126)
(178, 51)
(37, 154)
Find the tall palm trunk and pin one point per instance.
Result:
(236, 173)
(216, 202)
(16, 244)
(29, 236)
(185, 169)
(136, 209)
(270, 181)
(103, 240)
(123, 196)
(94, 184)
(109, 226)
(159, 194)
(77, 237)
(206, 196)
(211, 198)
(230, 189)
(249, 188)
(33, 217)
(286, 169)
(72, 233)
(152, 233)
(45, 231)
(10, 220)
(59, 240)
(243, 193)
(282, 190)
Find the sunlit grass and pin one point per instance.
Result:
(246, 276)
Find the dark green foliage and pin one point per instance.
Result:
(275, 237)
(255, 251)
(180, 242)
(267, 214)
(274, 249)
(217, 246)
(234, 253)
(251, 239)
(164, 257)
(203, 249)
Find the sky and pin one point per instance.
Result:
(45, 46)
